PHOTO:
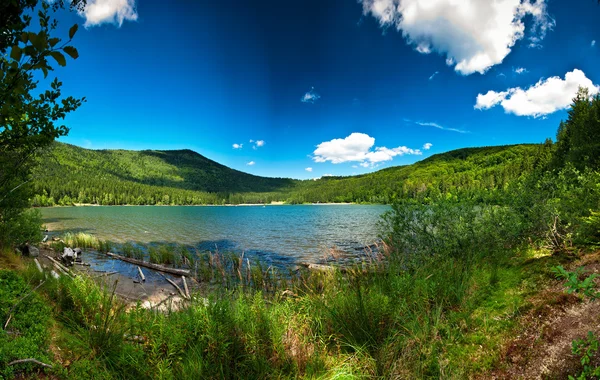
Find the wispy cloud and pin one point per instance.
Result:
(309, 170)
(593, 43)
(98, 12)
(427, 146)
(310, 97)
(237, 146)
(438, 126)
(520, 70)
(433, 75)
(251, 163)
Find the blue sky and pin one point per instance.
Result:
(340, 86)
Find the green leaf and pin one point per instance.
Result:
(45, 70)
(73, 30)
(53, 41)
(71, 51)
(15, 53)
(24, 37)
(60, 59)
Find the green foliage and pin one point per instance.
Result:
(587, 350)
(28, 114)
(27, 320)
(585, 287)
(578, 137)
(25, 227)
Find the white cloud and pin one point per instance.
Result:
(251, 163)
(593, 43)
(474, 35)
(433, 75)
(543, 98)
(257, 143)
(308, 170)
(438, 126)
(310, 97)
(97, 12)
(237, 146)
(427, 146)
(520, 70)
(357, 147)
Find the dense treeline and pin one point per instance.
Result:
(70, 174)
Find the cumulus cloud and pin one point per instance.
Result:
(520, 70)
(474, 35)
(357, 148)
(308, 170)
(310, 97)
(251, 163)
(427, 146)
(237, 146)
(98, 12)
(543, 98)
(433, 75)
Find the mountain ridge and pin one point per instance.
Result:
(71, 174)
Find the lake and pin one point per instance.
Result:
(274, 234)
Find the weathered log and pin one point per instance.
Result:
(187, 290)
(30, 361)
(142, 277)
(160, 268)
(106, 274)
(37, 264)
(323, 268)
(175, 285)
(59, 265)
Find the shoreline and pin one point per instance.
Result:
(215, 205)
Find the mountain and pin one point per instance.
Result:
(69, 174)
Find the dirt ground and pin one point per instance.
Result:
(542, 348)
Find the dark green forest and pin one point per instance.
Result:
(68, 174)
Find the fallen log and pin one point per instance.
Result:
(187, 290)
(106, 274)
(319, 267)
(37, 264)
(59, 265)
(30, 361)
(160, 268)
(175, 285)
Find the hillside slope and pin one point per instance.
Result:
(70, 174)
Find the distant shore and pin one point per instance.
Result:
(213, 205)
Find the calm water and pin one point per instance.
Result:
(277, 234)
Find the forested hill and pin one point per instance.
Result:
(70, 174)
(182, 169)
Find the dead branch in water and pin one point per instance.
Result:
(160, 268)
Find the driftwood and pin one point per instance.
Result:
(160, 268)
(30, 361)
(319, 267)
(55, 275)
(142, 277)
(37, 264)
(59, 266)
(187, 290)
(82, 264)
(106, 274)
(175, 285)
